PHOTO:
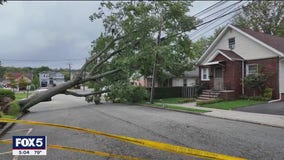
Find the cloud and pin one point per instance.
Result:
(46, 30)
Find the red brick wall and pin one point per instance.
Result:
(270, 67)
(232, 74)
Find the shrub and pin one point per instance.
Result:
(186, 100)
(258, 98)
(14, 108)
(267, 93)
(256, 82)
(200, 103)
(6, 93)
(127, 93)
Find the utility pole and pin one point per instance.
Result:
(154, 75)
(69, 64)
(84, 76)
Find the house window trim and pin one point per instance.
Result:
(233, 43)
(206, 70)
(247, 69)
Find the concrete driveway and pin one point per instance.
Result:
(276, 108)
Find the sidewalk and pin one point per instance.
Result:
(266, 119)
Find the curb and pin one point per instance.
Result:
(171, 109)
(202, 114)
(9, 125)
(239, 120)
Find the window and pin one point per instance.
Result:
(204, 74)
(184, 82)
(231, 43)
(251, 69)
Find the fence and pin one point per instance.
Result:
(188, 92)
(170, 92)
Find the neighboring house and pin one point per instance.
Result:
(47, 79)
(12, 80)
(143, 81)
(238, 52)
(188, 79)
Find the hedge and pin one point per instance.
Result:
(6, 93)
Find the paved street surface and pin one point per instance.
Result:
(233, 138)
(276, 108)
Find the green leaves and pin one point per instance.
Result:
(141, 21)
(262, 16)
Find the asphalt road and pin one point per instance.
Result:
(276, 108)
(233, 138)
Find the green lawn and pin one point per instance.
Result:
(8, 116)
(175, 100)
(21, 95)
(228, 105)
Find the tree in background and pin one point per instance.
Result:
(262, 16)
(23, 82)
(35, 81)
(201, 45)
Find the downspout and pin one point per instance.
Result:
(243, 76)
(280, 71)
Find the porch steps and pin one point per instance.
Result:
(208, 95)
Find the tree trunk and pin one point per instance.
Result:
(39, 97)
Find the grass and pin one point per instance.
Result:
(228, 105)
(9, 116)
(21, 95)
(179, 108)
(175, 100)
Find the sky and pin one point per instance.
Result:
(52, 33)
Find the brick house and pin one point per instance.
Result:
(237, 53)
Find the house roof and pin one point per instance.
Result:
(193, 73)
(231, 54)
(273, 41)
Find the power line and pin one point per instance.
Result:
(218, 23)
(194, 34)
(210, 7)
(226, 7)
(223, 11)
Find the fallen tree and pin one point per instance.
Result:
(128, 46)
(100, 58)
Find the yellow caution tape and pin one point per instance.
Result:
(137, 141)
(103, 154)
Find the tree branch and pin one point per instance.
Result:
(107, 58)
(90, 78)
(85, 94)
(95, 56)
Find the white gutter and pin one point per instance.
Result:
(280, 71)
(243, 76)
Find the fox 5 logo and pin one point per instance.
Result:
(29, 142)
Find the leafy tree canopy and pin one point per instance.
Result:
(262, 16)
(141, 22)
